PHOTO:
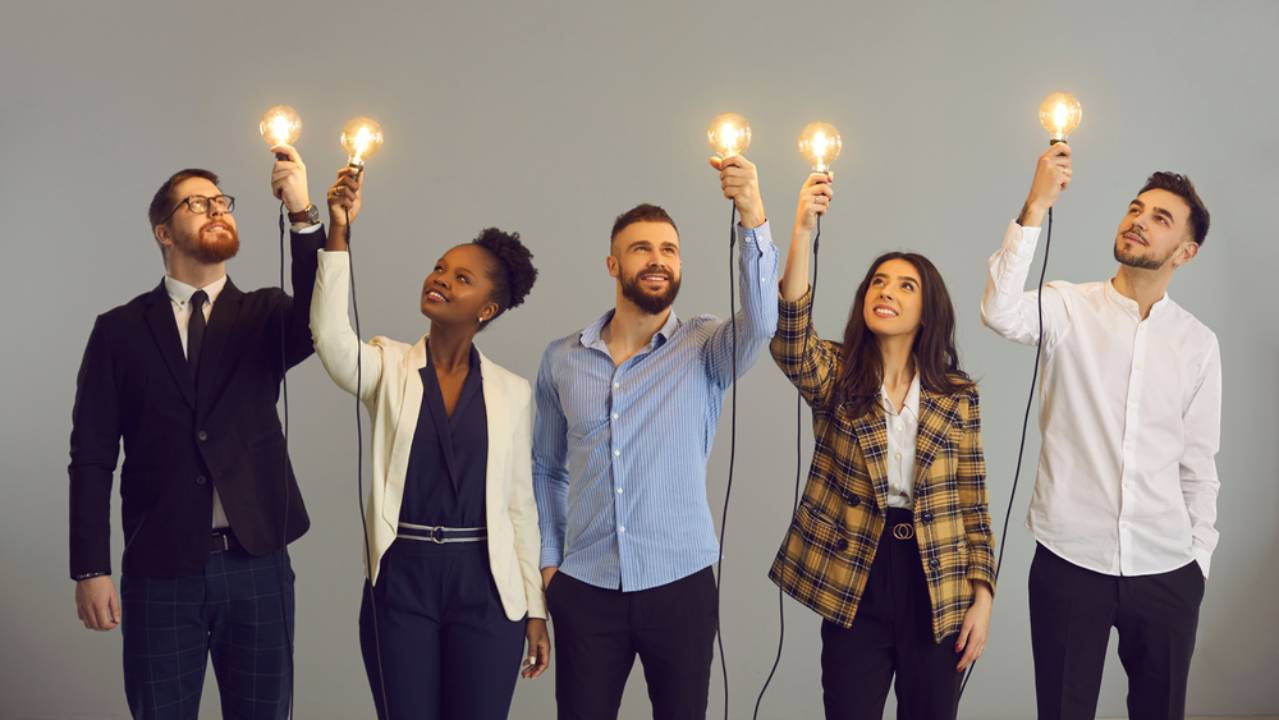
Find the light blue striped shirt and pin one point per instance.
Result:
(619, 453)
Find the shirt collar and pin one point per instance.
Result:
(180, 292)
(1130, 306)
(911, 407)
(590, 335)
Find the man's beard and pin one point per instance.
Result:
(209, 249)
(1142, 262)
(646, 301)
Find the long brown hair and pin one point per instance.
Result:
(861, 371)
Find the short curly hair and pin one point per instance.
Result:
(1180, 185)
(513, 273)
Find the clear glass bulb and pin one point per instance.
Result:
(362, 138)
(820, 144)
(280, 125)
(729, 134)
(1060, 114)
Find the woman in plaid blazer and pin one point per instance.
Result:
(891, 542)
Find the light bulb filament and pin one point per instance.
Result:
(280, 129)
(1061, 117)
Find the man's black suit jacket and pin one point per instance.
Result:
(183, 437)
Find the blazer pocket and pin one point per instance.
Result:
(819, 531)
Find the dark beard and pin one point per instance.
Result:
(1137, 261)
(213, 251)
(649, 303)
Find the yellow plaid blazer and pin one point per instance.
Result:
(828, 550)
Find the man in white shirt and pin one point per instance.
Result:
(1125, 498)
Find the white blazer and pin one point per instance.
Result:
(391, 390)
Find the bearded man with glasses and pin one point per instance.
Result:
(187, 375)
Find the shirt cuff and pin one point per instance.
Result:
(755, 236)
(551, 558)
(1021, 240)
(307, 229)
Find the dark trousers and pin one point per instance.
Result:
(599, 632)
(892, 634)
(447, 647)
(240, 610)
(1071, 613)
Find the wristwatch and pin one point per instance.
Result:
(308, 216)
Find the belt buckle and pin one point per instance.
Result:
(903, 531)
(226, 541)
(437, 535)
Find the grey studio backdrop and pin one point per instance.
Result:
(550, 119)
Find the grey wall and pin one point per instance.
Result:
(550, 118)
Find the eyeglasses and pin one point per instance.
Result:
(200, 205)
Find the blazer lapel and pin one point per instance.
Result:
(221, 344)
(499, 415)
(405, 426)
(936, 414)
(872, 436)
(164, 330)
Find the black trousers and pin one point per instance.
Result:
(1071, 613)
(599, 632)
(239, 610)
(892, 634)
(447, 649)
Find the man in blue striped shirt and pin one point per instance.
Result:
(626, 414)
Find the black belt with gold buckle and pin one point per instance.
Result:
(903, 531)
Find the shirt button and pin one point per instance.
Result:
(899, 426)
(897, 456)
(616, 385)
(617, 453)
(200, 479)
(202, 436)
(619, 491)
(621, 528)
(616, 416)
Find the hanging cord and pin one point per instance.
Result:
(284, 525)
(799, 459)
(359, 472)
(1025, 420)
(732, 448)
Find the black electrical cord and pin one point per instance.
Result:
(732, 448)
(1025, 420)
(284, 526)
(799, 460)
(359, 472)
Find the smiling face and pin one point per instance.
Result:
(459, 289)
(894, 300)
(207, 238)
(645, 260)
(1155, 229)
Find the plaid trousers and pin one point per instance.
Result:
(238, 610)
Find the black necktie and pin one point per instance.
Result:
(195, 331)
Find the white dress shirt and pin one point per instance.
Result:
(180, 296)
(903, 429)
(1130, 419)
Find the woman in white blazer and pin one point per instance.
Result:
(453, 545)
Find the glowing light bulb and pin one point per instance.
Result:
(362, 138)
(280, 125)
(1060, 114)
(820, 144)
(729, 134)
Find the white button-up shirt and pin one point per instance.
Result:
(1130, 417)
(903, 429)
(180, 295)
